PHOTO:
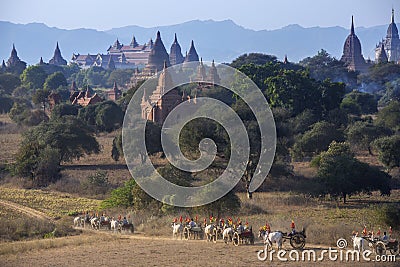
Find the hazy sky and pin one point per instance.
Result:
(253, 14)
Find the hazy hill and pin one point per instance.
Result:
(219, 40)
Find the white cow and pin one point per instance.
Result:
(227, 234)
(176, 229)
(359, 243)
(93, 223)
(77, 221)
(114, 224)
(208, 231)
(270, 238)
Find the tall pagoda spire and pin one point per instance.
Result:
(213, 76)
(381, 56)
(352, 53)
(352, 26)
(14, 59)
(57, 58)
(133, 42)
(201, 72)
(392, 15)
(192, 54)
(14, 52)
(158, 56)
(175, 55)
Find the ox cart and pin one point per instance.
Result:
(128, 227)
(243, 237)
(296, 239)
(105, 224)
(195, 232)
(217, 233)
(381, 247)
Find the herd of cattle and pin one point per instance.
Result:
(231, 233)
(104, 222)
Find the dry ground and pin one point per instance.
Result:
(139, 250)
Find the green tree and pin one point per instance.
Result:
(109, 116)
(41, 97)
(23, 115)
(323, 66)
(116, 150)
(340, 174)
(54, 81)
(364, 102)
(361, 134)
(316, 140)
(152, 139)
(253, 58)
(196, 130)
(70, 136)
(48, 167)
(228, 204)
(331, 95)
(33, 77)
(388, 150)
(295, 91)
(389, 116)
(64, 110)
(6, 103)
(8, 83)
(121, 76)
(392, 92)
(120, 197)
(44, 147)
(378, 75)
(302, 122)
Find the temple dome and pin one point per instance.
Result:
(175, 55)
(392, 31)
(192, 55)
(352, 53)
(158, 55)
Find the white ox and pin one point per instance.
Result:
(359, 243)
(93, 223)
(208, 231)
(77, 221)
(227, 234)
(114, 224)
(176, 229)
(270, 238)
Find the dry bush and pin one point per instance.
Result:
(23, 228)
(24, 246)
(64, 227)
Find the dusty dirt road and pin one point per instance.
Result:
(103, 248)
(26, 210)
(138, 250)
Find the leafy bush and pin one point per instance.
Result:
(389, 214)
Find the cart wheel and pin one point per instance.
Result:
(186, 233)
(297, 241)
(200, 235)
(380, 248)
(236, 239)
(252, 239)
(215, 236)
(394, 250)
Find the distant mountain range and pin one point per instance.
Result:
(219, 40)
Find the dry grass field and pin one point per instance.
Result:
(34, 214)
(138, 250)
